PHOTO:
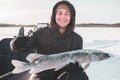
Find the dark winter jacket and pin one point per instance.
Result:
(49, 41)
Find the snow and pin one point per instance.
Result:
(105, 39)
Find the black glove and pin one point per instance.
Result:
(18, 44)
(72, 71)
(68, 68)
(45, 75)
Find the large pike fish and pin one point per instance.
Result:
(38, 63)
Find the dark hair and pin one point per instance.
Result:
(72, 10)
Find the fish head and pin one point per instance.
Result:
(100, 56)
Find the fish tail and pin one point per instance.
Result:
(19, 66)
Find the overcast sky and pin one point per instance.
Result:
(36, 11)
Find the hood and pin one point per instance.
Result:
(71, 25)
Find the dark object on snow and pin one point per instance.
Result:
(21, 31)
(6, 55)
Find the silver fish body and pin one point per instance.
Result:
(57, 61)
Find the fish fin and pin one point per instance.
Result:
(18, 63)
(35, 70)
(31, 57)
(19, 66)
(86, 66)
(58, 68)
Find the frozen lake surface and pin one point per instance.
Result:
(105, 39)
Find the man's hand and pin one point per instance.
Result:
(18, 44)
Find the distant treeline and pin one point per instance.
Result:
(77, 25)
(15, 25)
(97, 25)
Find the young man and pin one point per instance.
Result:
(57, 37)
